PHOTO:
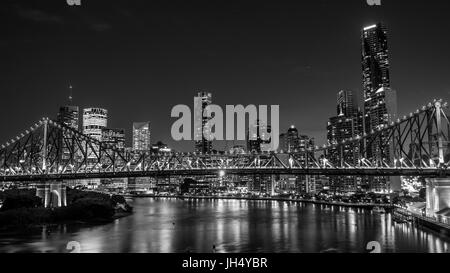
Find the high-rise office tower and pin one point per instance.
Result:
(94, 120)
(346, 124)
(379, 99)
(202, 145)
(375, 62)
(292, 140)
(346, 103)
(141, 136)
(69, 116)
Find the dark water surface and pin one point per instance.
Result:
(173, 225)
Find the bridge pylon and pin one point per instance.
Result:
(52, 193)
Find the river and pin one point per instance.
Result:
(173, 225)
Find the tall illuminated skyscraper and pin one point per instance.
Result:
(380, 101)
(346, 103)
(375, 62)
(203, 145)
(141, 136)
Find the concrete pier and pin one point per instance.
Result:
(438, 196)
(52, 193)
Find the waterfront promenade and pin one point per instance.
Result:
(281, 199)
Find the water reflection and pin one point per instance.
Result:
(170, 225)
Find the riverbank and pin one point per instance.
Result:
(402, 215)
(318, 202)
(83, 208)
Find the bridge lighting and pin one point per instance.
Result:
(221, 173)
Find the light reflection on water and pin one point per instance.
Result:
(171, 225)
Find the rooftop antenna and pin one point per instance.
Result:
(70, 95)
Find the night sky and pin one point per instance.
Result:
(140, 58)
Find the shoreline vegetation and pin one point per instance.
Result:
(22, 209)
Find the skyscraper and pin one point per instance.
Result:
(69, 116)
(375, 62)
(202, 145)
(376, 81)
(94, 120)
(141, 136)
(292, 140)
(346, 124)
(379, 99)
(346, 103)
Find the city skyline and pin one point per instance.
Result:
(379, 106)
(307, 71)
(202, 127)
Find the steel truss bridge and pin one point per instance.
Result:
(415, 145)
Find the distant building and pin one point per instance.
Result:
(160, 147)
(346, 125)
(141, 136)
(347, 104)
(94, 121)
(69, 116)
(255, 138)
(237, 149)
(115, 137)
(292, 140)
(203, 145)
(283, 143)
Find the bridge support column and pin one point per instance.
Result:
(272, 185)
(438, 195)
(52, 193)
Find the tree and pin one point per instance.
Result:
(21, 201)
